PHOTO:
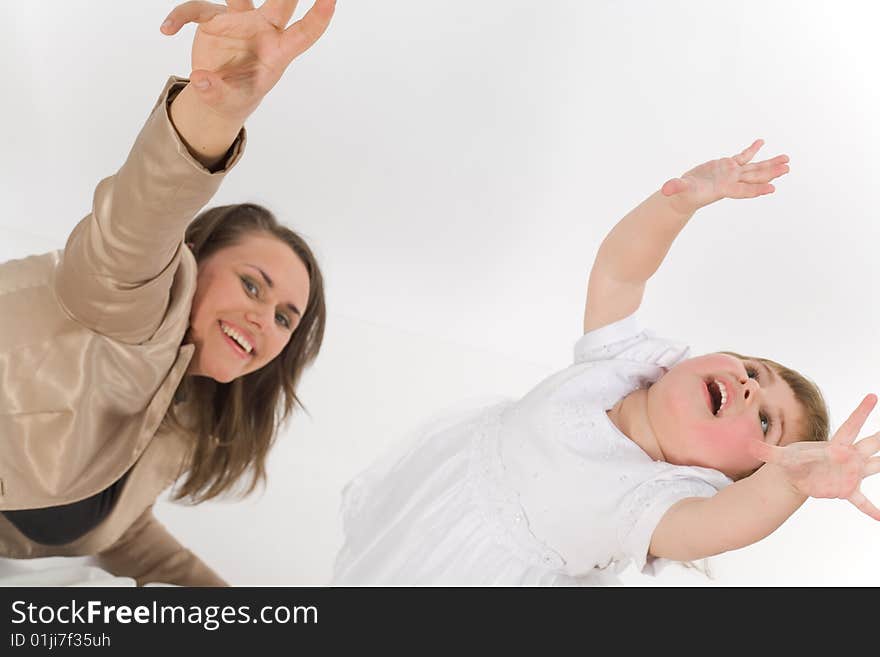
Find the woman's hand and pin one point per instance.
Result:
(729, 177)
(240, 52)
(832, 469)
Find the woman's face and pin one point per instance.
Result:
(249, 299)
(706, 410)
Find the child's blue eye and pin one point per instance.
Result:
(752, 372)
(765, 423)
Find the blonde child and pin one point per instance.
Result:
(635, 453)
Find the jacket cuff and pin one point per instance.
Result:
(174, 86)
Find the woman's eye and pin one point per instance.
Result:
(254, 290)
(752, 372)
(765, 423)
(249, 286)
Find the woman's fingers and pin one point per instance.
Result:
(300, 36)
(848, 431)
(295, 39)
(194, 11)
(240, 5)
(278, 12)
(746, 156)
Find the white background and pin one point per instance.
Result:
(455, 166)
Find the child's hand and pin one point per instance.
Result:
(832, 469)
(729, 177)
(239, 52)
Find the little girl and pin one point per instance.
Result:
(633, 453)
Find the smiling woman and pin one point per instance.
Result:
(140, 360)
(257, 320)
(258, 281)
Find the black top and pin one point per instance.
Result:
(58, 525)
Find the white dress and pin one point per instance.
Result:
(540, 491)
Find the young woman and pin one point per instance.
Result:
(151, 348)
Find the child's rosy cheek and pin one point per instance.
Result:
(737, 438)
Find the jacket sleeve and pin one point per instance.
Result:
(147, 552)
(120, 260)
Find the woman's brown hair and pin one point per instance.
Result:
(233, 425)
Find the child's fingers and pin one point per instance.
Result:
(872, 467)
(779, 159)
(673, 186)
(765, 164)
(864, 505)
(869, 446)
(764, 174)
(751, 190)
(746, 156)
(764, 452)
(848, 431)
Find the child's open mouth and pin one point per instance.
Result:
(717, 395)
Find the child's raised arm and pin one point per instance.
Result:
(635, 247)
(752, 508)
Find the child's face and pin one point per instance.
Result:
(706, 410)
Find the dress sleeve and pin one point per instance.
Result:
(120, 260)
(147, 552)
(643, 508)
(625, 339)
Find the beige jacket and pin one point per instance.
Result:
(91, 355)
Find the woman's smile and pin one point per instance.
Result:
(242, 347)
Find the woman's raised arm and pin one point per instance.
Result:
(239, 53)
(120, 262)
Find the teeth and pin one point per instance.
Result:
(240, 339)
(723, 394)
